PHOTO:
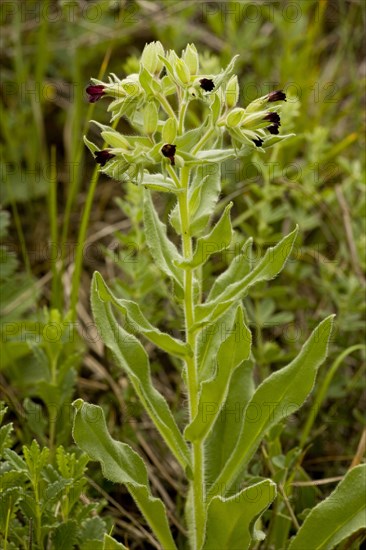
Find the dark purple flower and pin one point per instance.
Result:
(273, 129)
(273, 117)
(95, 92)
(207, 84)
(168, 150)
(103, 156)
(258, 142)
(278, 95)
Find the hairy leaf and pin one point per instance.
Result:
(209, 341)
(337, 517)
(203, 194)
(162, 249)
(120, 464)
(217, 240)
(133, 359)
(236, 271)
(224, 435)
(267, 268)
(136, 320)
(280, 395)
(230, 521)
(232, 352)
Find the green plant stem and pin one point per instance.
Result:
(38, 517)
(82, 238)
(78, 157)
(56, 299)
(203, 140)
(182, 115)
(192, 375)
(166, 106)
(7, 523)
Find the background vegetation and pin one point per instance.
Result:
(59, 222)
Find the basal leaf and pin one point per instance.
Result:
(120, 464)
(280, 395)
(232, 352)
(132, 358)
(337, 517)
(230, 521)
(137, 321)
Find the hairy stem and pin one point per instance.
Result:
(192, 378)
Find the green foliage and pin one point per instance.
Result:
(280, 395)
(331, 522)
(52, 350)
(120, 464)
(313, 180)
(215, 365)
(231, 521)
(41, 498)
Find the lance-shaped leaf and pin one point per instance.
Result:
(231, 521)
(225, 74)
(137, 321)
(337, 517)
(224, 435)
(132, 358)
(233, 351)
(162, 249)
(239, 267)
(209, 341)
(267, 268)
(120, 464)
(211, 156)
(280, 395)
(218, 239)
(90, 145)
(158, 182)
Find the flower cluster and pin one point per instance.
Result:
(156, 104)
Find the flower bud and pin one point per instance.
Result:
(258, 104)
(115, 139)
(95, 92)
(102, 157)
(150, 57)
(207, 84)
(182, 71)
(151, 117)
(190, 57)
(169, 130)
(232, 92)
(235, 117)
(168, 151)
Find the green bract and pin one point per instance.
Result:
(169, 150)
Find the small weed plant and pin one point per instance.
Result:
(183, 126)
